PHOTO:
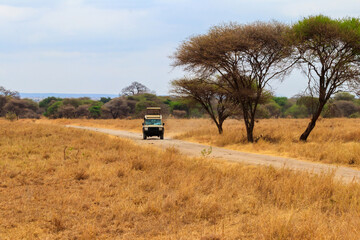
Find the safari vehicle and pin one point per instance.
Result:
(153, 124)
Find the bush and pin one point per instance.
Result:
(45, 103)
(95, 110)
(11, 116)
(22, 108)
(119, 107)
(82, 111)
(297, 111)
(262, 112)
(355, 115)
(347, 108)
(344, 96)
(52, 111)
(179, 114)
(273, 109)
(66, 111)
(281, 101)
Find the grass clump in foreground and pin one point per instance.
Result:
(102, 187)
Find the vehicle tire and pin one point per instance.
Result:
(162, 136)
(144, 136)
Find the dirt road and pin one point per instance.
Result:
(194, 149)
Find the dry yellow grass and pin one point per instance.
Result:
(173, 126)
(59, 183)
(332, 141)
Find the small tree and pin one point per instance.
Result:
(212, 98)
(134, 89)
(95, 110)
(9, 93)
(329, 51)
(105, 99)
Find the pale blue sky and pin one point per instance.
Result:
(101, 46)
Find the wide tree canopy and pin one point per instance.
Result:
(329, 50)
(246, 57)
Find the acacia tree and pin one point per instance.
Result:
(330, 58)
(22, 108)
(355, 87)
(212, 98)
(246, 57)
(135, 88)
(8, 93)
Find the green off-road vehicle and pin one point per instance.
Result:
(153, 124)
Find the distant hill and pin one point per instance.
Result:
(39, 96)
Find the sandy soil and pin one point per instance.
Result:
(194, 149)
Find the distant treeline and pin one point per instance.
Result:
(343, 104)
(133, 105)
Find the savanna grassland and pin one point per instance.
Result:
(60, 183)
(332, 141)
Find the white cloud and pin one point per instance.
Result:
(103, 45)
(80, 19)
(11, 14)
(74, 20)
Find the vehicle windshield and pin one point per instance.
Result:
(152, 121)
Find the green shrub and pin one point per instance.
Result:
(355, 115)
(297, 111)
(11, 116)
(95, 110)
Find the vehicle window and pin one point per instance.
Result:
(152, 122)
(153, 112)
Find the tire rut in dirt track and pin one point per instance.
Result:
(194, 149)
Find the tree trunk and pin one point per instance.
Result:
(219, 126)
(308, 130)
(249, 125)
(220, 129)
(113, 114)
(312, 123)
(250, 133)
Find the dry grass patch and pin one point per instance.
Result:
(332, 141)
(173, 126)
(113, 189)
